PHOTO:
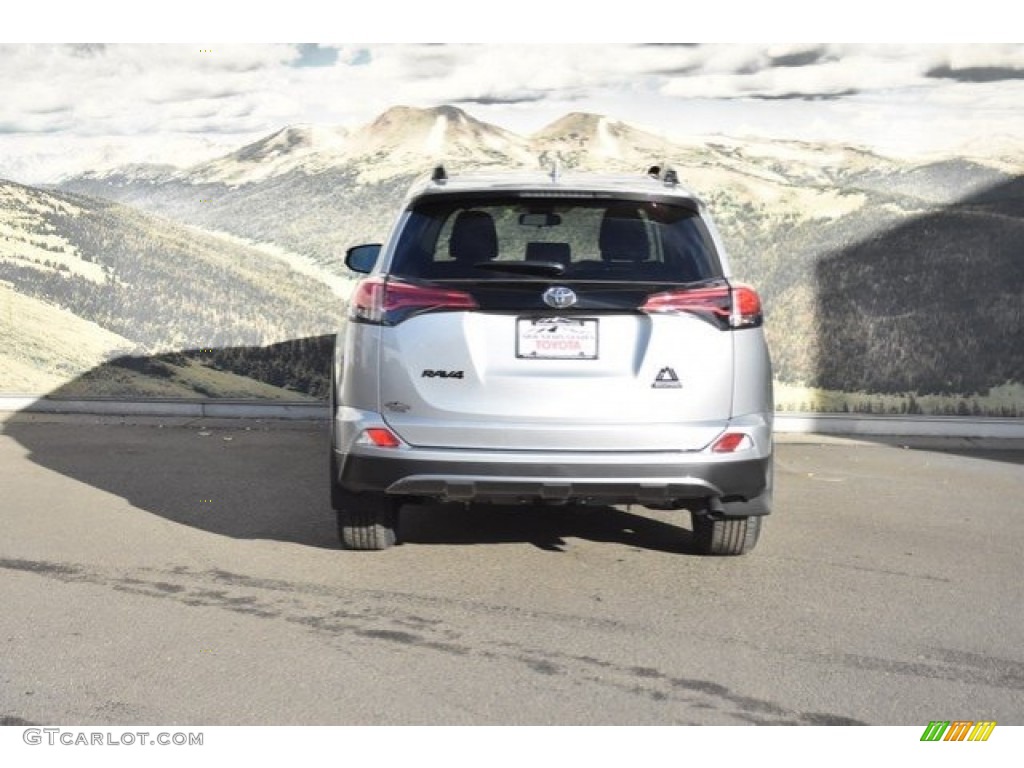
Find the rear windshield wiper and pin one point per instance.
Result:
(544, 268)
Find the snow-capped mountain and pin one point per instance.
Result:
(405, 139)
(400, 139)
(588, 141)
(315, 190)
(306, 148)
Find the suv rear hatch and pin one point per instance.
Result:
(555, 324)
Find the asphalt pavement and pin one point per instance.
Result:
(181, 571)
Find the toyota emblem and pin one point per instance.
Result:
(559, 297)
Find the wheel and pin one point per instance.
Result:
(725, 535)
(365, 520)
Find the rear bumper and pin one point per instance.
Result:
(516, 476)
(728, 484)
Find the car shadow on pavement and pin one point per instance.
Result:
(247, 479)
(268, 479)
(546, 527)
(1010, 455)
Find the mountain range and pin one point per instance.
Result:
(798, 218)
(316, 190)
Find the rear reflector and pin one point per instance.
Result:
(731, 442)
(380, 437)
(377, 300)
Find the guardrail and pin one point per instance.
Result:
(900, 426)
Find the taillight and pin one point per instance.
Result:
(378, 300)
(746, 307)
(738, 306)
(366, 303)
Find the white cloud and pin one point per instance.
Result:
(189, 95)
(960, 56)
(537, 20)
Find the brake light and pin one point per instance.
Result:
(738, 306)
(378, 300)
(746, 307)
(710, 300)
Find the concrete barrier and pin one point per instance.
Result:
(906, 426)
(241, 409)
(789, 423)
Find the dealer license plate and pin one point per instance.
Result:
(556, 338)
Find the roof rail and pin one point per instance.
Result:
(556, 169)
(439, 175)
(665, 174)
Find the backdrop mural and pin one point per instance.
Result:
(173, 218)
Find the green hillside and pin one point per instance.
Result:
(160, 286)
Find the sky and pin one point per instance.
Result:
(69, 107)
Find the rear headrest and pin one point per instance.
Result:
(623, 236)
(473, 237)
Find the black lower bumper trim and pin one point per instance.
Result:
(618, 483)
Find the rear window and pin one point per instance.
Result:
(577, 239)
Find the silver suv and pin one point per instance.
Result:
(549, 339)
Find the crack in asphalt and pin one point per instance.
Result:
(12, 720)
(314, 607)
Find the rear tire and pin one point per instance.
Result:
(366, 521)
(725, 535)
